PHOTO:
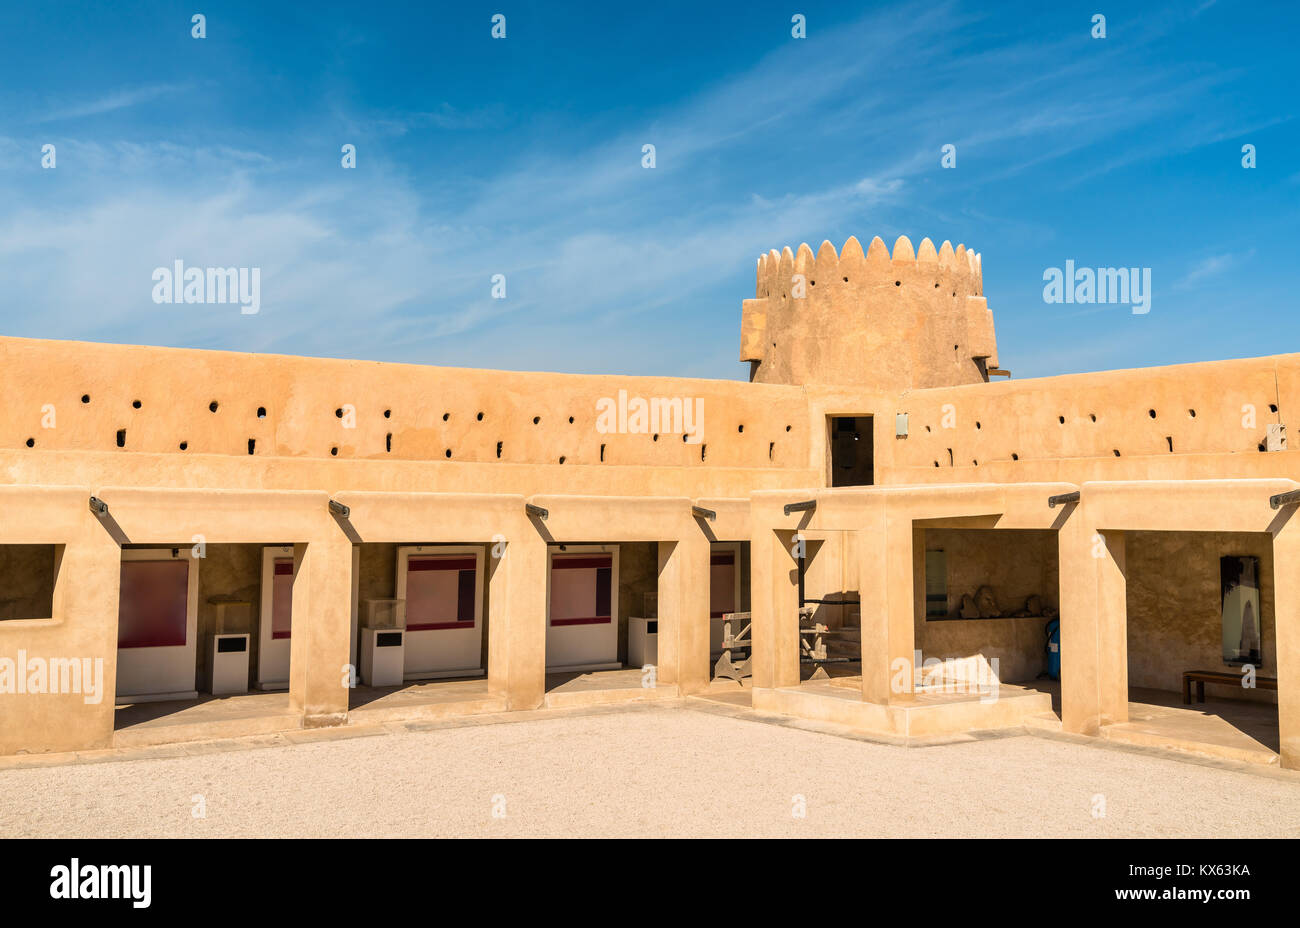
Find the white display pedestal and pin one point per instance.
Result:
(229, 664)
(642, 641)
(383, 653)
(383, 642)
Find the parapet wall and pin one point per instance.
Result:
(912, 320)
(1016, 427)
(71, 396)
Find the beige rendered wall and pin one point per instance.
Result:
(78, 396)
(1009, 431)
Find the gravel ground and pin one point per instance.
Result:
(658, 771)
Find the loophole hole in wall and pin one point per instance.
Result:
(85, 397)
(31, 443)
(388, 414)
(602, 454)
(562, 459)
(1191, 413)
(570, 420)
(1092, 416)
(1116, 452)
(655, 437)
(388, 442)
(978, 426)
(121, 438)
(1272, 407)
(537, 420)
(334, 451)
(1169, 440)
(479, 417)
(740, 428)
(500, 444)
(1014, 456)
(846, 280)
(212, 407)
(788, 427)
(1061, 419)
(771, 450)
(446, 416)
(135, 404)
(261, 412)
(704, 450)
(338, 413)
(252, 443)
(1151, 413)
(898, 283)
(184, 445)
(448, 452)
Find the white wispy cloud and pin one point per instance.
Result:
(117, 100)
(1211, 267)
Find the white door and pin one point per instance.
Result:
(275, 620)
(157, 624)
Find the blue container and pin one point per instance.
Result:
(1054, 649)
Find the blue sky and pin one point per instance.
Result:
(522, 157)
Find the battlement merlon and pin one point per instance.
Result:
(915, 319)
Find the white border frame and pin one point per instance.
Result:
(583, 647)
(272, 653)
(173, 667)
(442, 652)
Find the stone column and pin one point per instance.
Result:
(885, 582)
(1286, 625)
(684, 612)
(774, 601)
(1094, 625)
(517, 621)
(320, 653)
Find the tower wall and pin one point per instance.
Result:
(912, 320)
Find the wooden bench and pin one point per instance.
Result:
(1202, 677)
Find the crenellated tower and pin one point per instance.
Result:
(912, 320)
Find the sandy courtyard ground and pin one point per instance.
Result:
(659, 770)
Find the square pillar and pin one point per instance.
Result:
(1286, 626)
(517, 621)
(886, 575)
(1094, 625)
(774, 604)
(684, 577)
(320, 653)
